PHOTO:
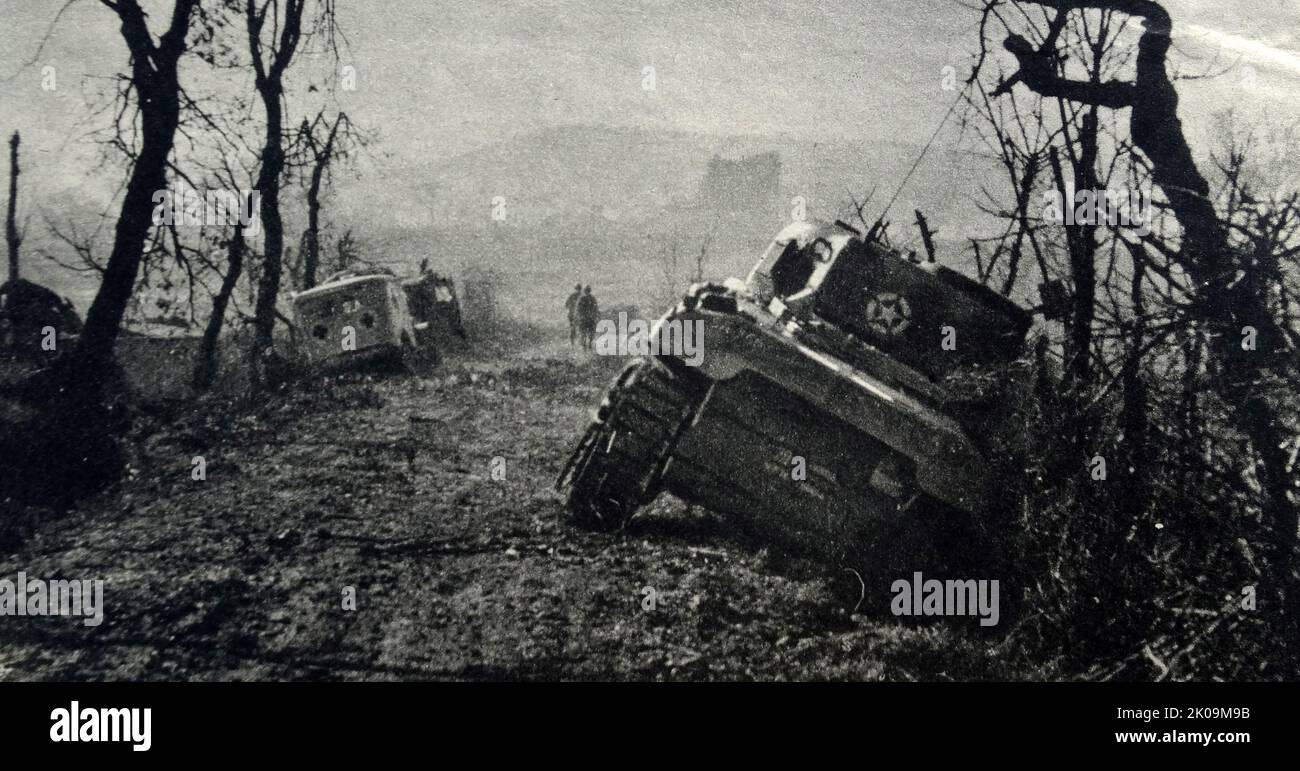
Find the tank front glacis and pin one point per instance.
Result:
(790, 376)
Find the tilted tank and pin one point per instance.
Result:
(823, 402)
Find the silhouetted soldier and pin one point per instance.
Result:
(588, 314)
(571, 307)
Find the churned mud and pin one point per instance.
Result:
(378, 493)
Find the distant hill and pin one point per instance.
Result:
(627, 174)
(580, 199)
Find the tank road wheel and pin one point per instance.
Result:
(617, 466)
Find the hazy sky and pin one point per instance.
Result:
(437, 78)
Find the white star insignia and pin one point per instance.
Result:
(889, 313)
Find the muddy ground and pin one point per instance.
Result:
(384, 486)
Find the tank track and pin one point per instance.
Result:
(618, 465)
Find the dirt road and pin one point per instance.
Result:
(381, 495)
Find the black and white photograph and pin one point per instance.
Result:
(949, 343)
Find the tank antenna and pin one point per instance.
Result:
(907, 177)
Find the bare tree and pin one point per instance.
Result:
(154, 79)
(1229, 293)
(236, 248)
(339, 140)
(73, 435)
(276, 28)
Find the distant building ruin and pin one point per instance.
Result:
(749, 184)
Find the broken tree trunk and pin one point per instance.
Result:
(927, 235)
(11, 224)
